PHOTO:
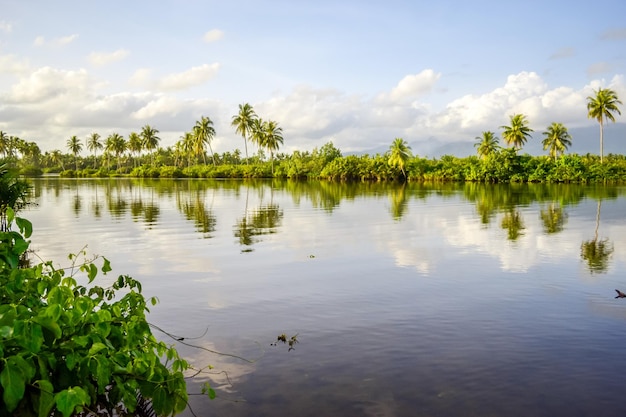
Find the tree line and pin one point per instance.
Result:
(140, 155)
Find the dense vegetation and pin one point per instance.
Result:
(141, 156)
(74, 349)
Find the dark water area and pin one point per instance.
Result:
(415, 300)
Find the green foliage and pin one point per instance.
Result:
(67, 348)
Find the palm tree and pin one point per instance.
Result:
(601, 107)
(116, 144)
(557, 139)
(399, 154)
(75, 146)
(272, 139)
(518, 132)
(93, 145)
(203, 133)
(4, 143)
(243, 123)
(57, 158)
(134, 145)
(257, 135)
(149, 138)
(486, 144)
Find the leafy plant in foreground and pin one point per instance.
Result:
(67, 349)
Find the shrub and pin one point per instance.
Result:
(67, 348)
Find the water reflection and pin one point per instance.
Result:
(597, 252)
(255, 223)
(553, 218)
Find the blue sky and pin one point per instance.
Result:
(355, 72)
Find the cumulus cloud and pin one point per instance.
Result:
(64, 40)
(5, 26)
(99, 59)
(10, 64)
(48, 83)
(412, 86)
(192, 77)
(213, 35)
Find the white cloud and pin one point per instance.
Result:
(158, 106)
(64, 40)
(10, 64)
(47, 84)
(141, 77)
(103, 58)
(190, 78)
(213, 35)
(412, 86)
(5, 26)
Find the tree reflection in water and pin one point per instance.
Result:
(263, 221)
(553, 218)
(597, 252)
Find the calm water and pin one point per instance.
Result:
(441, 300)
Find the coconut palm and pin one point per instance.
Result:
(272, 138)
(93, 145)
(518, 132)
(4, 143)
(486, 144)
(149, 138)
(244, 122)
(399, 154)
(75, 146)
(257, 135)
(557, 139)
(56, 157)
(134, 145)
(116, 144)
(203, 133)
(601, 107)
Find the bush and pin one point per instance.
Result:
(66, 348)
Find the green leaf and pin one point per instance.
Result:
(13, 383)
(96, 347)
(93, 271)
(25, 226)
(46, 397)
(106, 267)
(162, 402)
(70, 400)
(50, 324)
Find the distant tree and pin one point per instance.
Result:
(601, 107)
(557, 139)
(134, 145)
(4, 143)
(244, 122)
(203, 133)
(518, 132)
(56, 157)
(150, 140)
(116, 144)
(93, 145)
(272, 138)
(399, 154)
(75, 147)
(486, 144)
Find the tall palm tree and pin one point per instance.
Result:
(93, 145)
(150, 139)
(272, 138)
(486, 144)
(518, 132)
(4, 143)
(601, 107)
(203, 133)
(399, 155)
(243, 123)
(75, 146)
(134, 145)
(117, 145)
(557, 139)
(56, 157)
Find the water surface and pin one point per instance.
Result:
(416, 300)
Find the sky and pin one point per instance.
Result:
(357, 73)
